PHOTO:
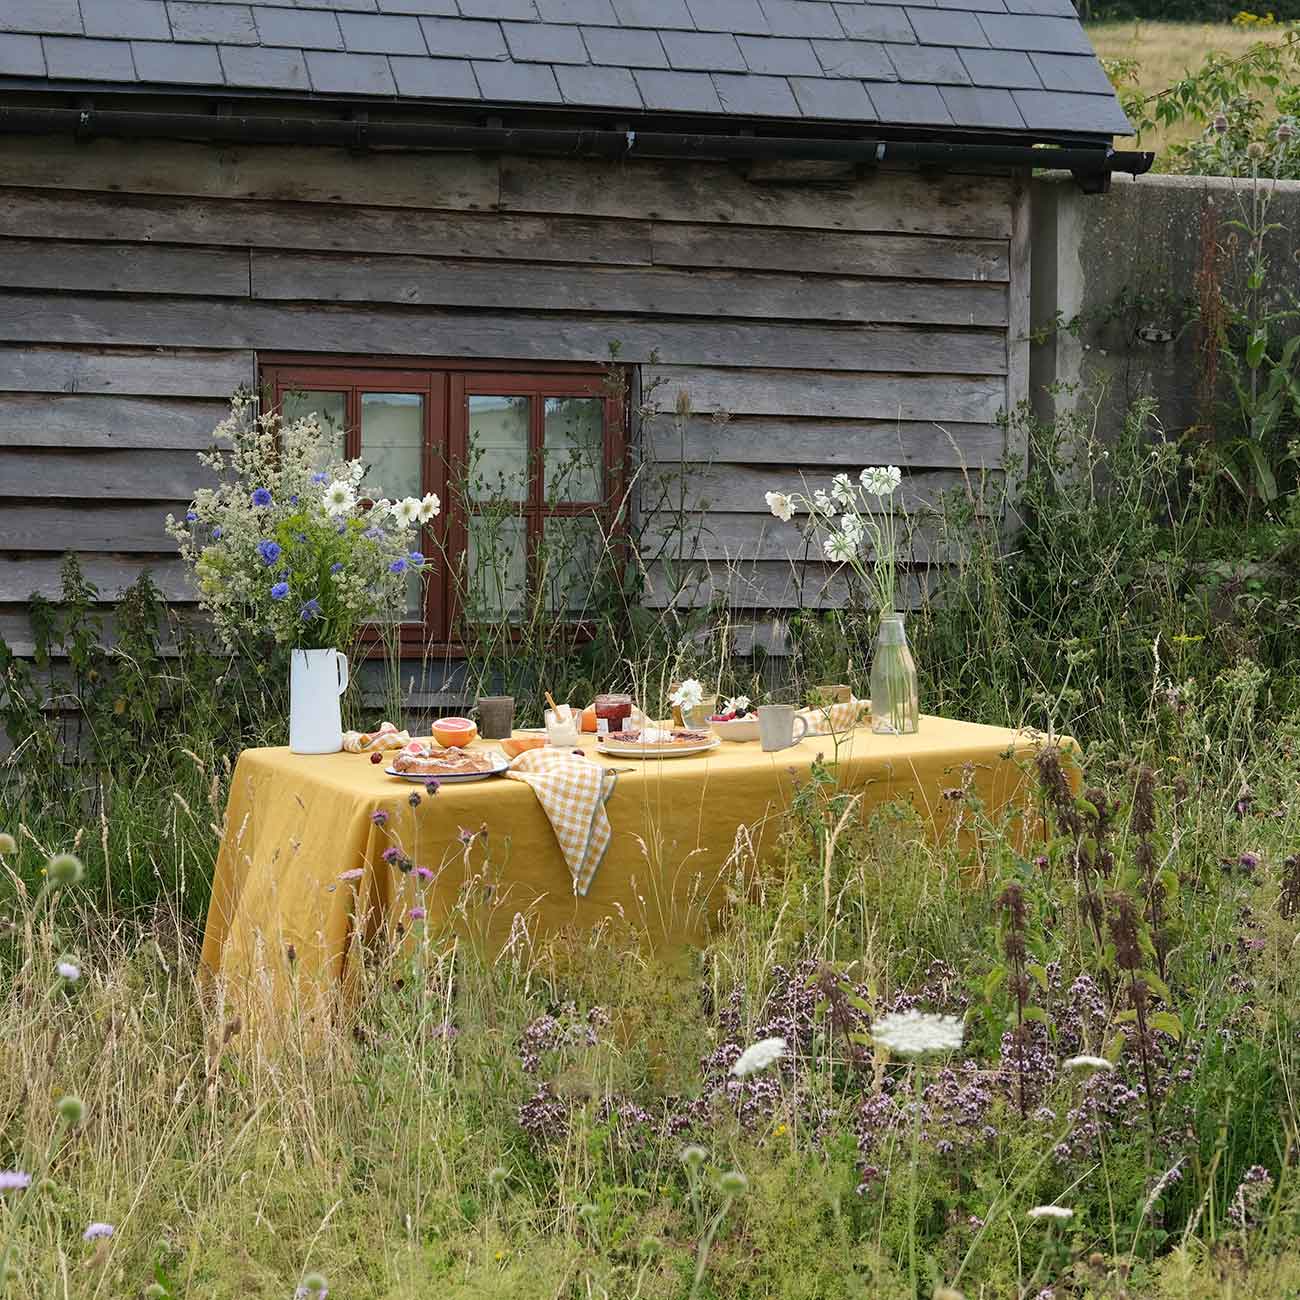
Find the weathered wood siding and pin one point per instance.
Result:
(867, 320)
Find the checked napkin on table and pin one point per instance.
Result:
(572, 791)
(386, 736)
(823, 719)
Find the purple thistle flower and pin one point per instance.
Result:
(1249, 861)
(424, 873)
(391, 854)
(279, 591)
(418, 914)
(261, 496)
(96, 1231)
(269, 551)
(379, 817)
(413, 798)
(14, 1180)
(432, 784)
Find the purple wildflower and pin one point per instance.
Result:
(216, 533)
(96, 1231)
(379, 817)
(391, 854)
(190, 516)
(261, 496)
(398, 565)
(423, 873)
(336, 568)
(418, 914)
(279, 591)
(269, 551)
(310, 611)
(320, 478)
(14, 1180)
(416, 559)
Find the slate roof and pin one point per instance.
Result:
(1004, 66)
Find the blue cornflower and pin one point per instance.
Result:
(336, 568)
(293, 500)
(269, 551)
(302, 537)
(279, 591)
(261, 496)
(416, 558)
(319, 478)
(190, 516)
(374, 534)
(216, 533)
(397, 566)
(309, 611)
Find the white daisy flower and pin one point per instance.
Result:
(758, 1056)
(407, 511)
(918, 1033)
(1051, 1212)
(430, 506)
(781, 504)
(340, 497)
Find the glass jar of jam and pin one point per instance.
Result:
(612, 713)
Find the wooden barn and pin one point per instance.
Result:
(430, 220)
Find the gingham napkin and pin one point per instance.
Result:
(572, 791)
(386, 736)
(822, 720)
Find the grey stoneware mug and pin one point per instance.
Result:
(776, 726)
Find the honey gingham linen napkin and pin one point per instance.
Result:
(385, 736)
(572, 791)
(838, 717)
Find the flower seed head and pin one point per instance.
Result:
(693, 1157)
(1051, 1212)
(498, 1176)
(314, 1284)
(8, 845)
(64, 869)
(733, 1183)
(71, 1109)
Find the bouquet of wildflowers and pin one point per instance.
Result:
(292, 545)
(858, 523)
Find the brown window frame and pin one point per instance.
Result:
(446, 385)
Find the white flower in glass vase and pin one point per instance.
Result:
(407, 511)
(689, 695)
(430, 506)
(340, 497)
(781, 504)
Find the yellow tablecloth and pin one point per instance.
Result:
(302, 885)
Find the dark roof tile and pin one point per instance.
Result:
(517, 83)
(779, 56)
(1056, 8)
(1010, 68)
(381, 34)
(833, 98)
(802, 18)
(81, 58)
(523, 10)
(623, 48)
(349, 74)
(683, 92)
(169, 63)
(41, 17)
(908, 104)
(875, 22)
(944, 27)
(753, 96)
(1064, 111)
(433, 78)
(311, 29)
(739, 17)
(544, 43)
(21, 56)
(218, 23)
(144, 20)
(703, 51)
(980, 106)
(932, 63)
(457, 37)
(653, 13)
(274, 69)
(432, 8)
(598, 87)
(1071, 72)
(1030, 32)
(577, 11)
(855, 59)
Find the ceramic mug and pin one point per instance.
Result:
(776, 726)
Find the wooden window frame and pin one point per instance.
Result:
(446, 385)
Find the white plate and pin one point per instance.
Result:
(502, 763)
(633, 750)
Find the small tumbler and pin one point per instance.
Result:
(496, 716)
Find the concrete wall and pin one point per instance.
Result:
(1118, 281)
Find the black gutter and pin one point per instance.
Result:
(360, 133)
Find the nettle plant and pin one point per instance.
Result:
(292, 544)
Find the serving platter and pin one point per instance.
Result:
(632, 749)
(499, 760)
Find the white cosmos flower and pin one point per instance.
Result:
(918, 1033)
(1051, 1212)
(842, 489)
(430, 505)
(881, 480)
(688, 695)
(839, 548)
(340, 497)
(1087, 1064)
(407, 511)
(758, 1056)
(781, 505)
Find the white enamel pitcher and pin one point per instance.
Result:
(316, 680)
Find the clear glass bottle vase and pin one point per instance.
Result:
(895, 706)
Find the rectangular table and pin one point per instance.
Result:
(301, 884)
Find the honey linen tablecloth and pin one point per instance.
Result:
(302, 884)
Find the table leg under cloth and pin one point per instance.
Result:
(301, 879)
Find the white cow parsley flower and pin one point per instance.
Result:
(1087, 1064)
(918, 1033)
(781, 504)
(689, 695)
(758, 1056)
(430, 506)
(1051, 1212)
(881, 480)
(340, 497)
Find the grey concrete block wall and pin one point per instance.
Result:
(1127, 268)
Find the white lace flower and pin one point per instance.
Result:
(918, 1033)
(340, 497)
(381, 508)
(852, 528)
(1088, 1064)
(881, 480)
(839, 549)
(758, 1056)
(1051, 1212)
(781, 505)
(842, 489)
(430, 506)
(407, 511)
(356, 471)
(823, 502)
(688, 695)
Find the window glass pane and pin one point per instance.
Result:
(574, 446)
(392, 449)
(570, 562)
(496, 566)
(330, 409)
(498, 449)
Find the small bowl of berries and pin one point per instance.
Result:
(737, 721)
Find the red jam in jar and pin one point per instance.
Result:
(612, 713)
